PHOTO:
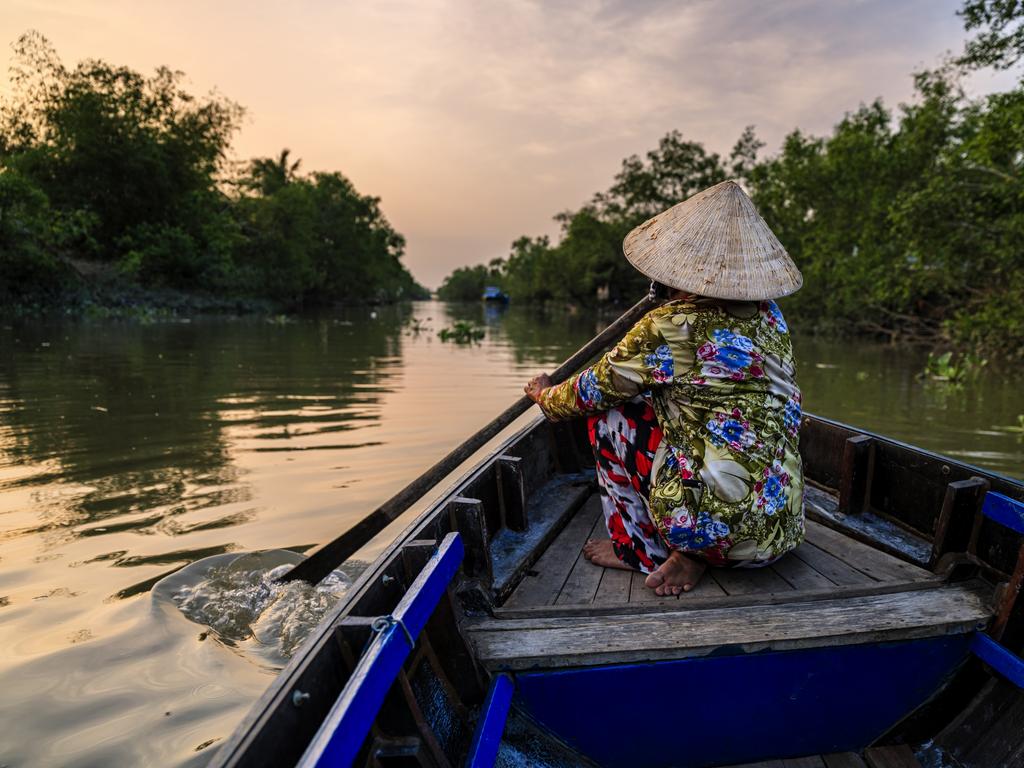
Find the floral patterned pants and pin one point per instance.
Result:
(625, 439)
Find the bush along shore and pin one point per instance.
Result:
(116, 194)
(908, 224)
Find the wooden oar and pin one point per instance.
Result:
(327, 557)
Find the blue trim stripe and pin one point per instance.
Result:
(1007, 664)
(1004, 510)
(487, 737)
(343, 730)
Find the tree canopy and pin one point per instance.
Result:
(103, 164)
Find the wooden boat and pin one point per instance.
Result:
(481, 636)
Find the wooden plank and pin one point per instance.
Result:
(578, 641)
(801, 575)
(709, 595)
(534, 450)
(843, 760)
(895, 756)
(614, 587)
(581, 584)
(484, 486)
(811, 761)
(512, 492)
(831, 566)
(959, 507)
(751, 581)
(868, 527)
(706, 587)
(542, 583)
(867, 560)
(467, 517)
(972, 724)
(1003, 739)
(550, 509)
(855, 475)
(643, 595)
(639, 592)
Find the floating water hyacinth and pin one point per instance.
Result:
(462, 333)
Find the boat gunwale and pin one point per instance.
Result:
(273, 697)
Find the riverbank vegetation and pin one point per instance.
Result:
(116, 188)
(907, 223)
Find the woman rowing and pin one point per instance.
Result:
(694, 416)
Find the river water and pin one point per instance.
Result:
(129, 450)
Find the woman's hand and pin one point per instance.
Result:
(536, 386)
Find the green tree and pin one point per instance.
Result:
(464, 284)
(999, 28)
(312, 240)
(102, 163)
(138, 153)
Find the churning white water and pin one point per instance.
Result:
(239, 598)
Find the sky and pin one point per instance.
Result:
(477, 121)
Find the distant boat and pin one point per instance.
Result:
(494, 293)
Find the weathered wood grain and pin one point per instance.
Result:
(895, 756)
(801, 575)
(750, 581)
(868, 527)
(549, 509)
(541, 584)
(831, 566)
(512, 492)
(855, 475)
(811, 761)
(614, 587)
(641, 593)
(878, 565)
(706, 595)
(843, 760)
(580, 586)
(573, 641)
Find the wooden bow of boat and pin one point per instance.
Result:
(481, 634)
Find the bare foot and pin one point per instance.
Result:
(600, 552)
(677, 574)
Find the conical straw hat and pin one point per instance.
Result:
(714, 244)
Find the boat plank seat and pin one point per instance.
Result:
(828, 561)
(568, 640)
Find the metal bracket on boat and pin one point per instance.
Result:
(382, 623)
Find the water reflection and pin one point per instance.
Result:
(130, 451)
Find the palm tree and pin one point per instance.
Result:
(268, 174)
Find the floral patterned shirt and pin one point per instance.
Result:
(727, 481)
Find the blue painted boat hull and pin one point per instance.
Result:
(723, 710)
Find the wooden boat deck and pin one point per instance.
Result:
(898, 756)
(826, 563)
(832, 590)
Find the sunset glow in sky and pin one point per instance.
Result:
(476, 122)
